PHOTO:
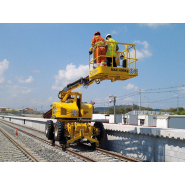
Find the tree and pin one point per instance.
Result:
(110, 111)
(96, 111)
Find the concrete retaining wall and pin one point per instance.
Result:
(37, 123)
(146, 143)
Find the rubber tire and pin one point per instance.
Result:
(64, 143)
(49, 129)
(59, 125)
(100, 126)
(93, 146)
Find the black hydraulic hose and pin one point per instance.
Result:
(59, 95)
(84, 81)
(74, 83)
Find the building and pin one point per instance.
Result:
(29, 110)
(3, 109)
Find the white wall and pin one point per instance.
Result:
(100, 116)
(118, 118)
(130, 119)
(171, 121)
(176, 122)
(149, 120)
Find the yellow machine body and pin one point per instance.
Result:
(72, 108)
(112, 73)
(78, 131)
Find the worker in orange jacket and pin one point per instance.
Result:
(100, 50)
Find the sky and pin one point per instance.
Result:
(39, 60)
(40, 53)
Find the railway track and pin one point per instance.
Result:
(75, 153)
(11, 150)
(100, 154)
(49, 156)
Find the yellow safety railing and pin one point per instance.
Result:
(125, 52)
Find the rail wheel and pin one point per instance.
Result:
(59, 131)
(49, 128)
(100, 127)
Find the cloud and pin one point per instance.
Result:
(144, 43)
(114, 32)
(50, 99)
(16, 90)
(3, 66)
(181, 89)
(36, 71)
(130, 87)
(40, 103)
(9, 82)
(128, 99)
(155, 25)
(144, 52)
(29, 80)
(70, 74)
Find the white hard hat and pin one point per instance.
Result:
(108, 35)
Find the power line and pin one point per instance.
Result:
(144, 91)
(164, 88)
(164, 91)
(150, 92)
(162, 100)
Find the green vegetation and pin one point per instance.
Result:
(127, 108)
(173, 111)
(11, 112)
(121, 109)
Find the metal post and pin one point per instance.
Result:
(177, 102)
(139, 99)
(114, 109)
(148, 102)
(132, 107)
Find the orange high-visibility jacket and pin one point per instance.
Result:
(96, 39)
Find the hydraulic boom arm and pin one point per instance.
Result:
(66, 90)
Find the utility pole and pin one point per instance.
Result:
(177, 102)
(148, 102)
(139, 99)
(114, 100)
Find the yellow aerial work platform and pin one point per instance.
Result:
(126, 64)
(73, 116)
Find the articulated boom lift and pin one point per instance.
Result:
(72, 115)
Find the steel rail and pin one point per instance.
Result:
(117, 155)
(121, 157)
(87, 159)
(84, 157)
(20, 147)
(68, 150)
(22, 126)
